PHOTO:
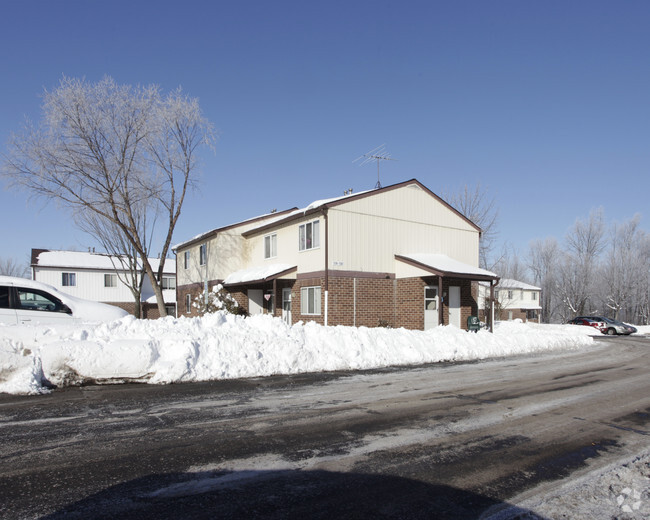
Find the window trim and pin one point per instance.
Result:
(315, 237)
(188, 303)
(110, 276)
(168, 278)
(203, 256)
(186, 259)
(273, 246)
(304, 300)
(67, 277)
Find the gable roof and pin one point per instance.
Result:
(216, 231)
(509, 283)
(83, 260)
(324, 204)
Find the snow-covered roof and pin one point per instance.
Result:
(169, 296)
(310, 207)
(447, 265)
(258, 273)
(100, 261)
(509, 283)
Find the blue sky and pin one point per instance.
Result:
(545, 104)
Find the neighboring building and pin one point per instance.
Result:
(397, 256)
(99, 277)
(515, 300)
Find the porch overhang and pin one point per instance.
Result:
(442, 265)
(259, 274)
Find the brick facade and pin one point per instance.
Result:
(362, 301)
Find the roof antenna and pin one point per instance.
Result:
(380, 154)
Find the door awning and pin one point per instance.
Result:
(442, 265)
(258, 274)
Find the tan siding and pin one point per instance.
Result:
(366, 234)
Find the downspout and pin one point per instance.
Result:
(327, 272)
(441, 301)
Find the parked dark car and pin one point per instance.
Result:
(614, 326)
(581, 320)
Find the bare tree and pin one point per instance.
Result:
(543, 263)
(124, 257)
(108, 150)
(10, 267)
(578, 266)
(477, 206)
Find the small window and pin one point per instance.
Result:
(310, 300)
(188, 303)
(309, 236)
(186, 259)
(202, 255)
(110, 280)
(509, 295)
(534, 295)
(168, 283)
(521, 296)
(170, 309)
(68, 279)
(271, 246)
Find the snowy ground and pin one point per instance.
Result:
(223, 346)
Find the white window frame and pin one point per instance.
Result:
(188, 303)
(110, 280)
(203, 254)
(271, 246)
(186, 259)
(310, 297)
(68, 279)
(304, 230)
(534, 295)
(168, 283)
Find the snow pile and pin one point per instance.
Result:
(225, 346)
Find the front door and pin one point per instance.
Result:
(454, 306)
(255, 301)
(286, 305)
(431, 303)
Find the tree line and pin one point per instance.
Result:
(597, 269)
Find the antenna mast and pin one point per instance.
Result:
(378, 154)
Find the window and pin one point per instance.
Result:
(521, 296)
(4, 297)
(496, 294)
(68, 279)
(533, 295)
(202, 255)
(509, 295)
(310, 300)
(188, 303)
(168, 282)
(186, 259)
(309, 236)
(35, 300)
(170, 309)
(271, 246)
(110, 280)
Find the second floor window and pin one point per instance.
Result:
(534, 295)
(309, 236)
(202, 254)
(271, 246)
(68, 279)
(186, 259)
(110, 280)
(168, 282)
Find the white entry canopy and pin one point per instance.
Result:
(258, 274)
(442, 265)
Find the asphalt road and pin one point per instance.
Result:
(435, 441)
